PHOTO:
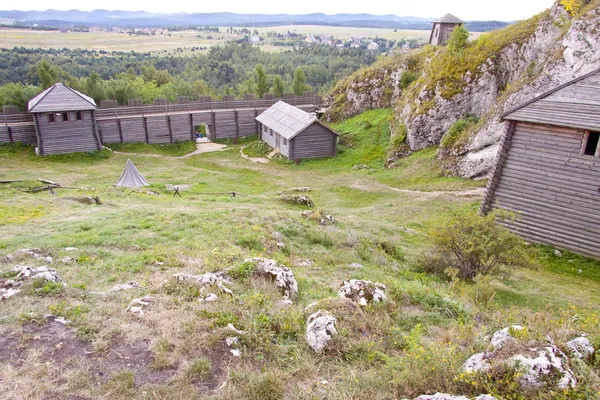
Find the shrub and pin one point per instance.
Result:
(267, 386)
(407, 78)
(257, 149)
(458, 39)
(467, 245)
(456, 130)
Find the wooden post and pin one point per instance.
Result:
(95, 132)
(10, 134)
(170, 128)
(237, 123)
(38, 134)
(192, 132)
(119, 128)
(146, 128)
(214, 124)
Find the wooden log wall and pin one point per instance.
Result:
(555, 190)
(164, 123)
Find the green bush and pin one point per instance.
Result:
(458, 39)
(257, 149)
(456, 130)
(467, 245)
(407, 78)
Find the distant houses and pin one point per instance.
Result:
(373, 46)
(254, 39)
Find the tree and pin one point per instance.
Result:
(458, 39)
(299, 84)
(278, 86)
(262, 84)
(94, 87)
(201, 88)
(47, 74)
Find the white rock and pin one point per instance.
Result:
(233, 329)
(235, 352)
(547, 363)
(125, 286)
(136, 305)
(210, 298)
(60, 320)
(231, 341)
(476, 363)
(362, 292)
(48, 259)
(281, 245)
(502, 337)
(43, 272)
(204, 280)
(581, 347)
(356, 265)
(67, 260)
(286, 303)
(282, 275)
(6, 293)
(303, 262)
(320, 330)
(70, 249)
(557, 253)
(136, 311)
(441, 396)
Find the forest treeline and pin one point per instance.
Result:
(233, 69)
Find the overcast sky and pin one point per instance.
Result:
(465, 9)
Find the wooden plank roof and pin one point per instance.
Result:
(285, 119)
(449, 19)
(575, 104)
(60, 97)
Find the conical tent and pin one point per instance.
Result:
(131, 177)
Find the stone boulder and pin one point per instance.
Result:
(541, 365)
(282, 275)
(581, 348)
(125, 286)
(136, 306)
(204, 281)
(504, 336)
(26, 272)
(320, 330)
(362, 292)
(297, 199)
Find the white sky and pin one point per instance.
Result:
(503, 10)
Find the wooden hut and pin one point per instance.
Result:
(548, 167)
(442, 29)
(296, 133)
(64, 121)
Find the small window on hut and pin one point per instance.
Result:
(65, 116)
(78, 116)
(591, 144)
(50, 117)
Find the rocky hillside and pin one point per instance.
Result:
(457, 97)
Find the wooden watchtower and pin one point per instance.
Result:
(442, 29)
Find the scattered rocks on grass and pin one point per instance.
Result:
(55, 318)
(581, 348)
(233, 329)
(444, 396)
(8, 289)
(7, 258)
(557, 253)
(302, 189)
(87, 200)
(297, 199)
(320, 330)
(360, 166)
(539, 364)
(204, 281)
(362, 292)
(356, 266)
(303, 262)
(125, 286)
(281, 274)
(136, 306)
(320, 217)
(70, 249)
(43, 272)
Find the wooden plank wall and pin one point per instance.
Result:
(554, 188)
(181, 127)
(67, 136)
(315, 141)
(246, 122)
(109, 131)
(225, 124)
(133, 130)
(158, 129)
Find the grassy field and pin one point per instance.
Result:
(411, 345)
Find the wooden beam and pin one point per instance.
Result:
(237, 124)
(10, 134)
(145, 121)
(170, 128)
(38, 134)
(97, 136)
(214, 125)
(120, 129)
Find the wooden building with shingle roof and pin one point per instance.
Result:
(64, 121)
(442, 29)
(548, 167)
(296, 133)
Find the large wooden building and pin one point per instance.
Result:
(296, 133)
(548, 167)
(442, 29)
(64, 121)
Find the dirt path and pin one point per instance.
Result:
(478, 192)
(207, 147)
(259, 160)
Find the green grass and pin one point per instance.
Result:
(257, 149)
(147, 238)
(176, 149)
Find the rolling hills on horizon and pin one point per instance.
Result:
(138, 19)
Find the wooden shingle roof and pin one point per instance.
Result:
(449, 19)
(285, 119)
(60, 97)
(575, 104)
